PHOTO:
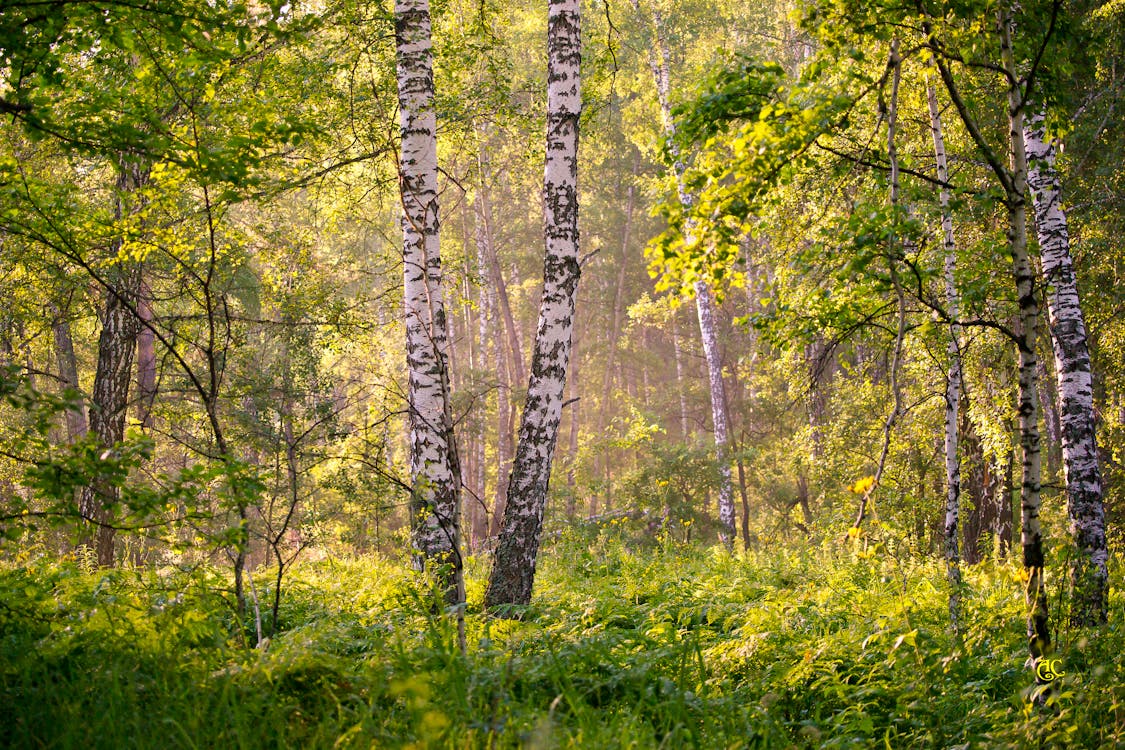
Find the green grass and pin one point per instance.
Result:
(676, 647)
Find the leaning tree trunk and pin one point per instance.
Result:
(704, 300)
(953, 373)
(109, 400)
(507, 351)
(1089, 574)
(513, 571)
(434, 473)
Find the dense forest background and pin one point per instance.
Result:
(840, 446)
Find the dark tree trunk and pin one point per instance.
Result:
(513, 572)
(110, 398)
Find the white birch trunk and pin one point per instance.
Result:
(705, 309)
(434, 471)
(1013, 178)
(1089, 574)
(704, 300)
(513, 572)
(953, 374)
(1038, 634)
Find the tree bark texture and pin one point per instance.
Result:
(1038, 633)
(1089, 573)
(434, 471)
(953, 373)
(513, 571)
(109, 401)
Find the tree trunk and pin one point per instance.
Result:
(572, 452)
(677, 353)
(704, 305)
(110, 397)
(704, 301)
(1089, 575)
(513, 571)
(486, 317)
(146, 358)
(1013, 178)
(1031, 536)
(508, 358)
(76, 421)
(434, 471)
(953, 372)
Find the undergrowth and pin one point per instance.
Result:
(680, 646)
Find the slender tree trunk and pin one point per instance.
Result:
(485, 319)
(434, 470)
(953, 373)
(704, 305)
(146, 358)
(572, 452)
(110, 397)
(76, 422)
(704, 300)
(1038, 633)
(513, 572)
(677, 353)
(1013, 178)
(1089, 574)
(508, 358)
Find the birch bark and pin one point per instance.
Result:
(1038, 634)
(434, 471)
(953, 373)
(1013, 178)
(513, 571)
(704, 301)
(1089, 574)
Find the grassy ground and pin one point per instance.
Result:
(680, 646)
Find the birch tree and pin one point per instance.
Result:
(1013, 179)
(1089, 574)
(953, 372)
(434, 472)
(704, 299)
(513, 571)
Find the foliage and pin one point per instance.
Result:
(682, 645)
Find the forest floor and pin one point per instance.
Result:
(625, 645)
